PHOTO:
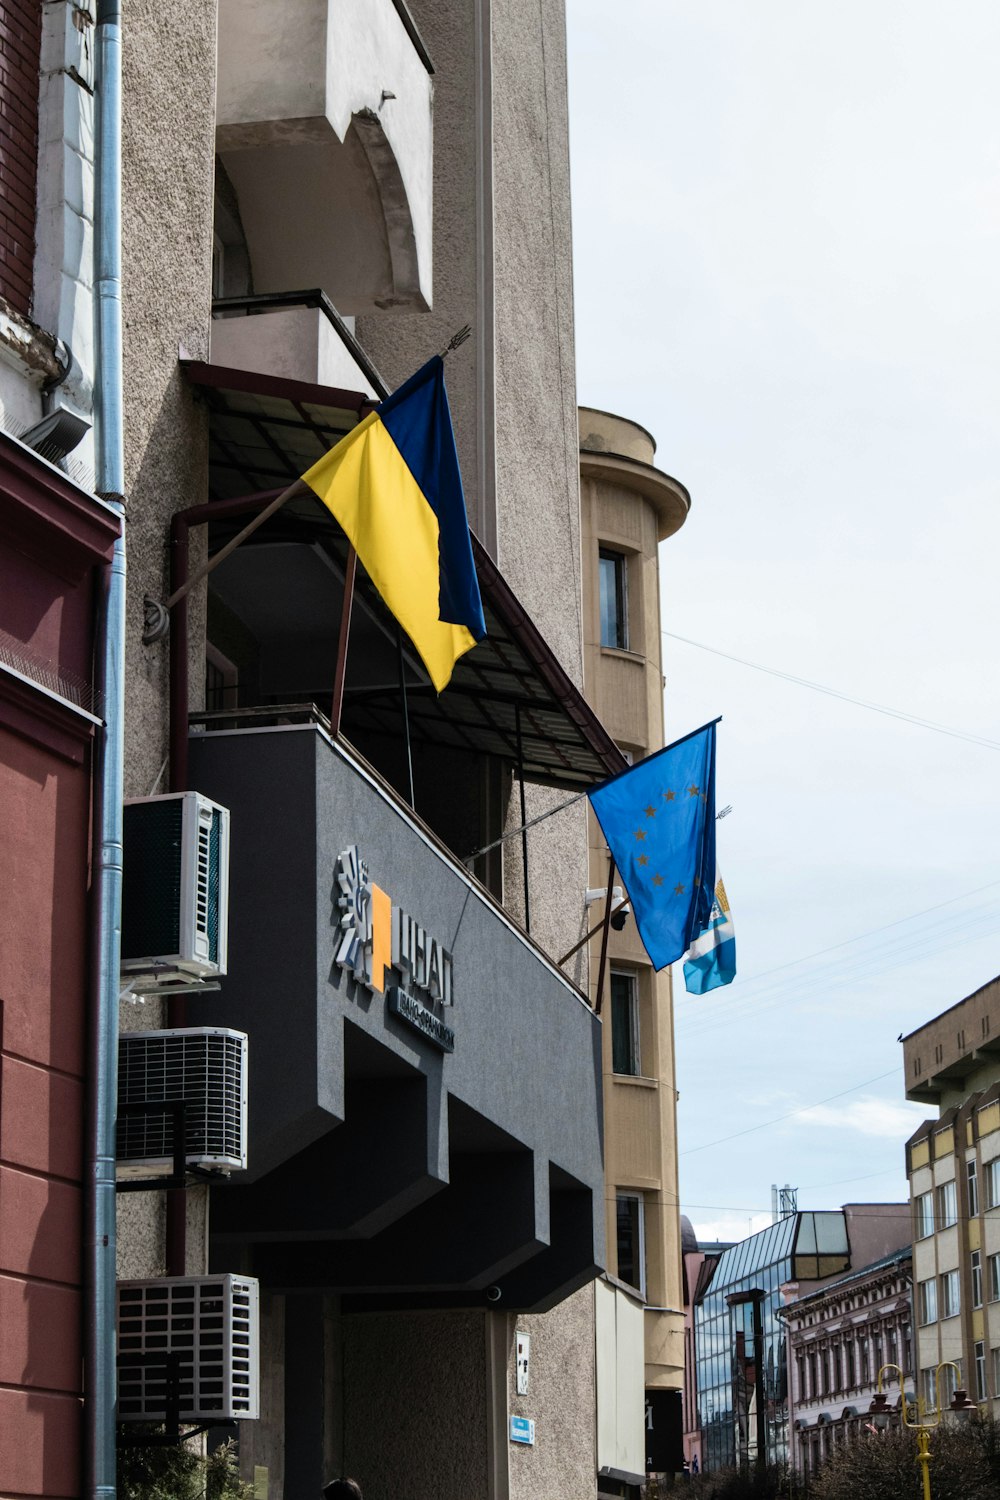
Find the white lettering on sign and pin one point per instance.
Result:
(421, 957)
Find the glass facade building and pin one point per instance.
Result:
(740, 1352)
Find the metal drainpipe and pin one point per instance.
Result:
(99, 1344)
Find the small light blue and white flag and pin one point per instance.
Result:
(711, 959)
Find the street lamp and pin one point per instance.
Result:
(961, 1407)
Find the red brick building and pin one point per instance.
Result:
(53, 541)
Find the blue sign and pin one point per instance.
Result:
(522, 1430)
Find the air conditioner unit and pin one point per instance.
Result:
(175, 904)
(211, 1325)
(206, 1069)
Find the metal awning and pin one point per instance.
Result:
(509, 697)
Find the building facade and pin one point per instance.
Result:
(741, 1342)
(699, 1263)
(56, 544)
(953, 1167)
(839, 1339)
(628, 507)
(307, 213)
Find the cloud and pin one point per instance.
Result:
(867, 1116)
(726, 1225)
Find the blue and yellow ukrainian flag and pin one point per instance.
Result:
(659, 821)
(395, 486)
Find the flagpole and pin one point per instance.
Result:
(336, 708)
(291, 493)
(604, 936)
(512, 833)
(524, 831)
(406, 711)
(618, 906)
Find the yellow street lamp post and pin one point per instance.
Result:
(881, 1412)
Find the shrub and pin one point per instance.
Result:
(965, 1465)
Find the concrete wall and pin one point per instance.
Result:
(168, 136)
(562, 1399)
(336, 94)
(417, 1404)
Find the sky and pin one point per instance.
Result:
(786, 223)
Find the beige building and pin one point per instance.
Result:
(953, 1166)
(628, 508)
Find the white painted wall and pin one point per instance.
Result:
(621, 1394)
(294, 85)
(296, 343)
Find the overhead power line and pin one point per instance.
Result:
(780, 985)
(818, 687)
(801, 1110)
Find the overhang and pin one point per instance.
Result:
(509, 697)
(387, 1160)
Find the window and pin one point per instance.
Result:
(848, 1364)
(979, 1351)
(949, 1382)
(946, 1201)
(949, 1294)
(221, 680)
(976, 1262)
(614, 599)
(995, 1357)
(972, 1179)
(927, 1389)
(993, 1276)
(927, 1301)
(631, 1246)
(892, 1353)
(991, 1171)
(924, 1211)
(625, 1053)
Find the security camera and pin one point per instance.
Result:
(620, 917)
(493, 1294)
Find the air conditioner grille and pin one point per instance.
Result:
(151, 902)
(204, 1068)
(212, 1324)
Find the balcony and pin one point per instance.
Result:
(295, 336)
(324, 126)
(403, 1151)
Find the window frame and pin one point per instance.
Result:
(923, 1206)
(634, 1026)
(991, 1172)
(972, 1187)
(927, 1301)
(979, 1366)
(619, 562)
(632, 1195)
(945, 1204)
(950, 1298)
(993, 1276)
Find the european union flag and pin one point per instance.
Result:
(659, 820)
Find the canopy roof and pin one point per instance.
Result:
(509, 697)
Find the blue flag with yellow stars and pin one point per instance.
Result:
(659, 820)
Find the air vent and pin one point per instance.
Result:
(210, 1323)
(203, 1068)
(176, 889)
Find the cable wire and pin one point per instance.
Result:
(801, 1110)
(817, 687)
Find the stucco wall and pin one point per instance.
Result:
(415, 1405)
(562, 1399)
(168, 131)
